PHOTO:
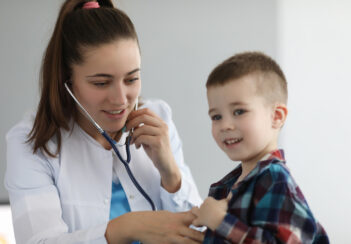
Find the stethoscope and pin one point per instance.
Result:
(113, 144)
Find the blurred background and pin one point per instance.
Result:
(181, 42)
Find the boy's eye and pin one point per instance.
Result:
(238, 112)
(216, 117)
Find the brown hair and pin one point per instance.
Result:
(75, 29)
(273, 84)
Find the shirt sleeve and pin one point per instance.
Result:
(280, 215)
(187, 196)
(35, 202)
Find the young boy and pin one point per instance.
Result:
(259, 201)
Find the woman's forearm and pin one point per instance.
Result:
(153, 227)
(119, 230)
(171, 179)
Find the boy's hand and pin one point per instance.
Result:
(211, 213)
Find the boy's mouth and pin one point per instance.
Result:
(232, 141)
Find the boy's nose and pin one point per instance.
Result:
(227, 125)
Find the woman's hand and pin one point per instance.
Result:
(151, 132)
(153, 227)
(211, 212)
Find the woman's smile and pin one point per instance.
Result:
(115, 114)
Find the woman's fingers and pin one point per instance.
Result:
(152, 125)
(139, 112)
(187, 217)
(143, 116)
(166, 227)
(187, 232)
(196, 212)
(144, 120)
(145, 130)
(146, 141)
(192, 235)
(187, 240)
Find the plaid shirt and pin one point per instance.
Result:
(266, 207)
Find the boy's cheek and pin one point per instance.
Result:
(216, 137)
(213, 131)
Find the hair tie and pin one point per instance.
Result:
(91, 4)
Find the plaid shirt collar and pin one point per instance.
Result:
(275, 156)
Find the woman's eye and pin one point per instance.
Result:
(238, 112)
(100, 83)
(131, 80)
(216, 117)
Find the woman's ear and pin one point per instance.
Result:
(279, 115)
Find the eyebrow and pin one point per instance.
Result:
(133, 71)
(111, 76)
(100, 75)
(233, 104)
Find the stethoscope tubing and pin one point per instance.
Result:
(126, 165)
(113, 145)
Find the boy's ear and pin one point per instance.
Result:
(279, 115)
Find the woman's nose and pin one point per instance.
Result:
(117, 94)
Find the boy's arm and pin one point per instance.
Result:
(280, 215)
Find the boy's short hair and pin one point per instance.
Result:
(271, 79)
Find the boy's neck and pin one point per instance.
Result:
(248, 166)
(245, 170)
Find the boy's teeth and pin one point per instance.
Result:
(232, 141)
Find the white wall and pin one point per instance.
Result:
(314, 50)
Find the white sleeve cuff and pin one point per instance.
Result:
(182, 200)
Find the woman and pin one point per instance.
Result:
(65, 183)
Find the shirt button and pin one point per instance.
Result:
(131, 197)
(106, 201)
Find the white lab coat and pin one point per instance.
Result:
(67, 199)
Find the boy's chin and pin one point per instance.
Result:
(238, 157)
(235, 158)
